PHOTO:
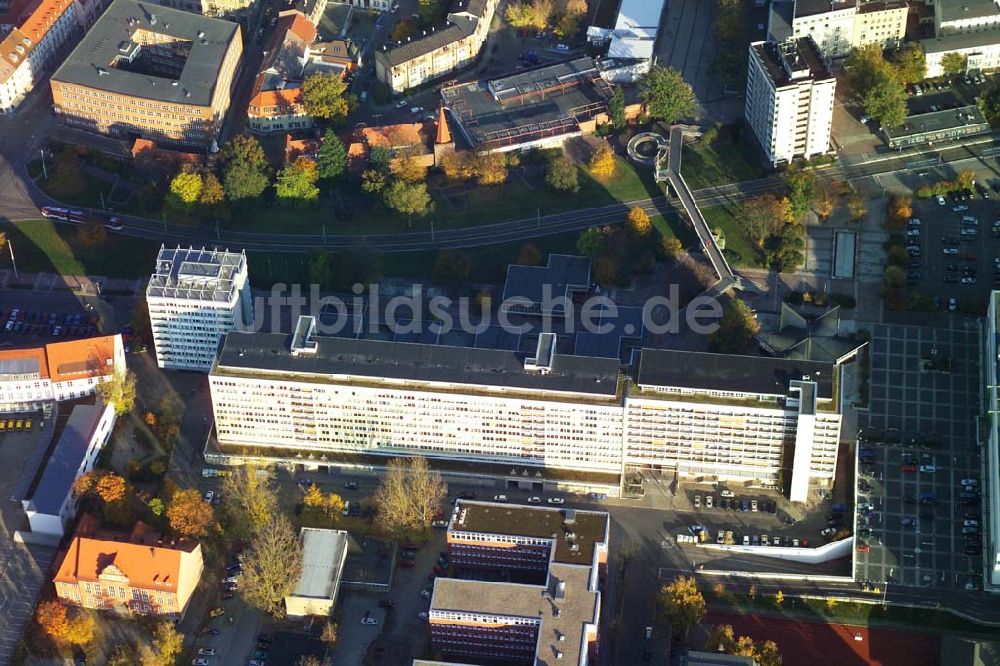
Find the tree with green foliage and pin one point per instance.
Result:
(885, 101)
(186, 186)
(332, 156)
(245, 173)
(373, 181)
(616, 109)
(787, 248)
(954, 63)
(325, 96)
(682, 604)
(910, 63)
(296, 183)
(667, 95)
(380, 158)
(894, 277)
(729, 23)
(562, 175)
(451, 268)
(737, 329)
(800, 190)
(320, 269)
(119, 390)
(408, 198)
(989, 101)
(593, 241)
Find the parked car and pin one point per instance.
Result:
(726, 493)
(534, 499)
(928, 469)
(500, 498)
(556, 500)
(826, 531)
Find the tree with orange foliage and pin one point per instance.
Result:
(110, 487)
(637, 223)
(53, 617)
(189, 514)
(603, 162)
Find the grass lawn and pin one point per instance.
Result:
(348, 212)
(739, 251)
(41, 245)
(725, 161)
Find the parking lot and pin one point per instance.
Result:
(924, 390)
(959, 243)
(760, 518)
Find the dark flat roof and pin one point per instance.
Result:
(63, 464)
(247, 353)
(810, 7)
(701, 371)
(937, 121)
(803, 51)
(563, 274)
(91, 63)
(588, 527)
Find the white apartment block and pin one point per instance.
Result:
(333, 395)
(32, 378)
(991, 421)
(790, 99)
(837, 26)
(194, 298)
(438, 51)
(957, 16)
(981, 50)
(27, 51)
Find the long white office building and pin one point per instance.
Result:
(789, 100)
(194, 298)
(991, 412)
(733, 417)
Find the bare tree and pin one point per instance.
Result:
(409, 495)
(271, 566)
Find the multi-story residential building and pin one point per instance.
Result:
(150, 72)
(734, 417)
(957, 16)
(320, 395)
(194, 298)
(276, 104)
(32, 378)
(142, 572)
(28, 50)
(439, 51)
(51, 502)
(837, 26)
(980, 49)
(789, 100)
(557, 617)
(991, 421)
